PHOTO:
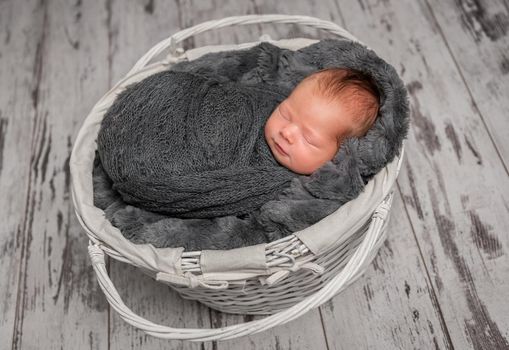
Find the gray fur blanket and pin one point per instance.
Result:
(306, 199)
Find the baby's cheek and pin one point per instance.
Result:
(268, 123)
(267, 130)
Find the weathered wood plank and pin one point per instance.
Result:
(133, 28)
(155, 302)
(305, 332)
(454, 186)
(477, 35)
(392, 306)
(60, 304)
(20, 42)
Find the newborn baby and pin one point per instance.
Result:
(307, 128)
(191, 146)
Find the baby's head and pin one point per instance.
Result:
(307, 128)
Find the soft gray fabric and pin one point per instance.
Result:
(308, 198)
(188, 146)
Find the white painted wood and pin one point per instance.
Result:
(133, 28)
(454, 184)
(393, 305)
(477, 35)
(305, 332)
(60, 304)
(20, 33)
(157, 302)
(377, 312)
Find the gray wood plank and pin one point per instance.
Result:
(305, 332)
(393, 305)
(133, 28)
(60, 305)
(454, 185)
(20, 39)
(477, 35)
(155, 302)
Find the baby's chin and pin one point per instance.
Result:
(276, 155)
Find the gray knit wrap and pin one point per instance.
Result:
(191, 146)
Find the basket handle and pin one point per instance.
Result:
(176, 38)
(352, 269)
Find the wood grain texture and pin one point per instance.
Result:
(440, 280)
(155, 302)
(60, 303)
(305, 332)
(133, 28)
(457, 205)
(393, 305)
(477, 35)
(20, 38)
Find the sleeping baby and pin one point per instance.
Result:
(193, 144)
(307, 128)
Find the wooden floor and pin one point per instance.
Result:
(441, 281)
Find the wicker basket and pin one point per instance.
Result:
(285, 278)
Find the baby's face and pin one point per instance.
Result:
(302, 131)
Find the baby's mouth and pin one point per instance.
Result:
(280, 149)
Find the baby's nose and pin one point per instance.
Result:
(288, 133)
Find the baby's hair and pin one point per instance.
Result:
(357, 89)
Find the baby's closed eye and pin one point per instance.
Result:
(312, 143)
(281, 113)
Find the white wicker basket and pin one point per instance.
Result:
(285, 278)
